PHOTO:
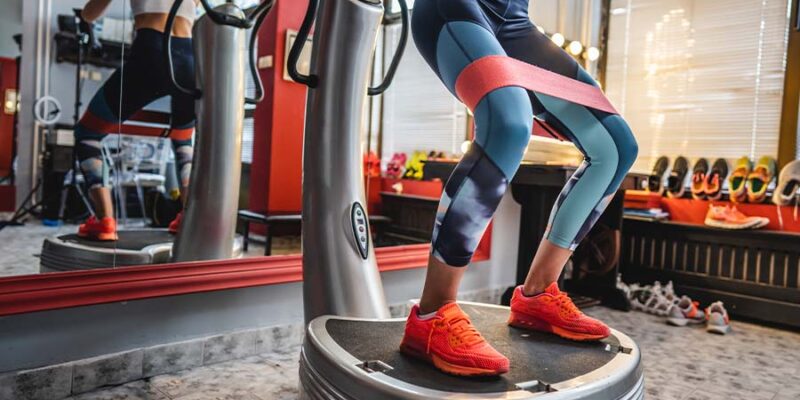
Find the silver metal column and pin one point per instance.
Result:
(209, 222)
(340, 275)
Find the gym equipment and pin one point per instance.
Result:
(350, 350)
(209, 222)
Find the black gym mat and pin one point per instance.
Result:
(128, 240)
(533, 355)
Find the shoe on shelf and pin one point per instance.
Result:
(737, 181)
(716, 178)
(685, 312)
(104, 229)
(788, 184)
(553, 311)
(727, 217)
(450, 342)
(655, 182)
(717, 320)
(759, 180)
(175, 225)
(676, 182)
(699, 174)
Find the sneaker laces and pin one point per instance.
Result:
(566, 304)
(465, 331)
(461, 327)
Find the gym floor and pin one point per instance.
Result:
(753, 363)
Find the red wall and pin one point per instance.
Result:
(275, 179)
(8, 80)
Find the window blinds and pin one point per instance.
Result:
(419, 114)
(699, 78)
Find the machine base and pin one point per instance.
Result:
(347, 358)
(134, 247)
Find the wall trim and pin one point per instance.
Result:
(82, 288)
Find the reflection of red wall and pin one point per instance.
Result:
(275, 179)
(8, 80)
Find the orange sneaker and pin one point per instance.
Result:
(175, 225)
(450, 342)
(553, 311)
(104, 229)
(726, 217)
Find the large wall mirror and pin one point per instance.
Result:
(101, 142)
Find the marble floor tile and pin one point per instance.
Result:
(138, 390)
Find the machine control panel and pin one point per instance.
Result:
(360, 229)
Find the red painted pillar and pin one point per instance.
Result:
(275, 178)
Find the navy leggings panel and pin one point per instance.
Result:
(142, 80)
(450, 34)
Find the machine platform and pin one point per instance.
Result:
(359, 359)
(134, 247)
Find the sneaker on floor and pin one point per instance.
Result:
(699, 173)
(175, 225)
(717, 320)
(737, 181)
(450, 342)
(553, 311)
(685, 312)
(726, 217)
(104, 229)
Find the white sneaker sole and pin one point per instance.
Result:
(720, 330)
(723, 225)
(683, 321)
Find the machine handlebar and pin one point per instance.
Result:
(253, 20)
(398, 55)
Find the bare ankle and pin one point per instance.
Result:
(534, 289)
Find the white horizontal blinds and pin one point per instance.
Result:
(419, 114)
(699, 78)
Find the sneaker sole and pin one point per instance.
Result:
(717, 224)
(683, 321)
(449, 367)
(719, 330)
(536, 324)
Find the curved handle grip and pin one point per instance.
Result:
(398, 55)
(168, 52)
(297, 48)
(258, 15)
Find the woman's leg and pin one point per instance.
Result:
(503, 124)
(604, 139)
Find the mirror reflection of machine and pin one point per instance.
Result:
(208, 226)
(350, 349)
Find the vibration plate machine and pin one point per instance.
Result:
(350, 349)
(208, 230)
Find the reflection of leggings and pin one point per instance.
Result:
(145, 80)
(451, 34)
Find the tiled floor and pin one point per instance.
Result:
(754, 363)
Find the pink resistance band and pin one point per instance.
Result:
(493, 72)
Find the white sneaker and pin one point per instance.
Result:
(685, 312)
(717, 320)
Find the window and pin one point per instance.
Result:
(699, 78)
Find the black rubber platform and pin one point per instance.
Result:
(128, 240)
(534, 356)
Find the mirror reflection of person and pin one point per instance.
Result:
(145, 79)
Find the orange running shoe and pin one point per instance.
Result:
(175, 225)
(450, 342)
(553, 311)
(104, 229)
